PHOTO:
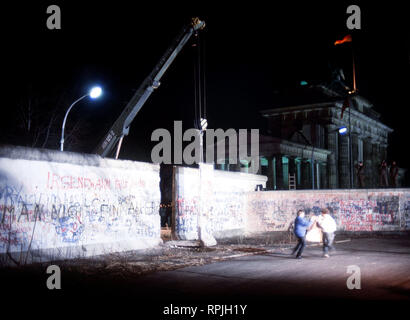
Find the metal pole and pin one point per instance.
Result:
(350, 136)
(65, 119)
(117, 153)
(350, 152)
(313, 168)
(200, 168)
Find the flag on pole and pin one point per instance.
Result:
(346, 104)
(347, 38)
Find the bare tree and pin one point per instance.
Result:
(39, 118)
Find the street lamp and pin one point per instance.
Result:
(342, 130)
(94, 93)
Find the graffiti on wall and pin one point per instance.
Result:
(233, 205)
(223, 201)
(406, 211)
(272, 212)
(186, 217)
(227, 211)
(51, 209)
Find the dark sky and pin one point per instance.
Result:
(252, 51)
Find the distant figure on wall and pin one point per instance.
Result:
(360, 174)
(301, 225)
(165, 211)
(394, 173)
(383, 174)
(168, 217)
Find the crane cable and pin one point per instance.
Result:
(195, 62)
(199, 83)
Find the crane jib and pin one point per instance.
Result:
(121, 126)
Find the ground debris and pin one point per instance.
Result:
(165, 257)
(248, 249)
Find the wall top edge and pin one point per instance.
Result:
(48, 155)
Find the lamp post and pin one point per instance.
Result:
(94, 93)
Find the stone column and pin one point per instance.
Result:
(355, 157)
(259, 167)
(344, 172)
(383, 151)
(376, 160)
(298, 173)
(279, 172)
(332, 170)
(270, 182)
(306, 173)
(324, 183)
(367, 162)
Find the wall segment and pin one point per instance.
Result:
(56, 205)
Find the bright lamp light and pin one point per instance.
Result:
(342, 130)
(95, 92)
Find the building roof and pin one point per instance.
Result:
(319, 96)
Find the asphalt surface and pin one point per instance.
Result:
(384, 273)
(264, 282)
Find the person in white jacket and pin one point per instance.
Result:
(328, 226)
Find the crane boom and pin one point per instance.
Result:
(121, 126)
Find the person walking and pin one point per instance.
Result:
(301, 226)
(328, 226)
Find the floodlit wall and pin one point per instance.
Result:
(229, 206)
(219, 197)
(353, 210)
(59, 205)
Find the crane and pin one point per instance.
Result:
(121, 126)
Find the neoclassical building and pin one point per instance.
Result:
(303, 141)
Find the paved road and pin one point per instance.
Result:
(265, 282)
(273, 283)
(384, 269)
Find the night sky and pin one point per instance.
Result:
(253, 51)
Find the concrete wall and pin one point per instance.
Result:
(353, 210)
(58, 205)
(233, 208)
(219, 196)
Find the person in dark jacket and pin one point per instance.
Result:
(301, 226)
